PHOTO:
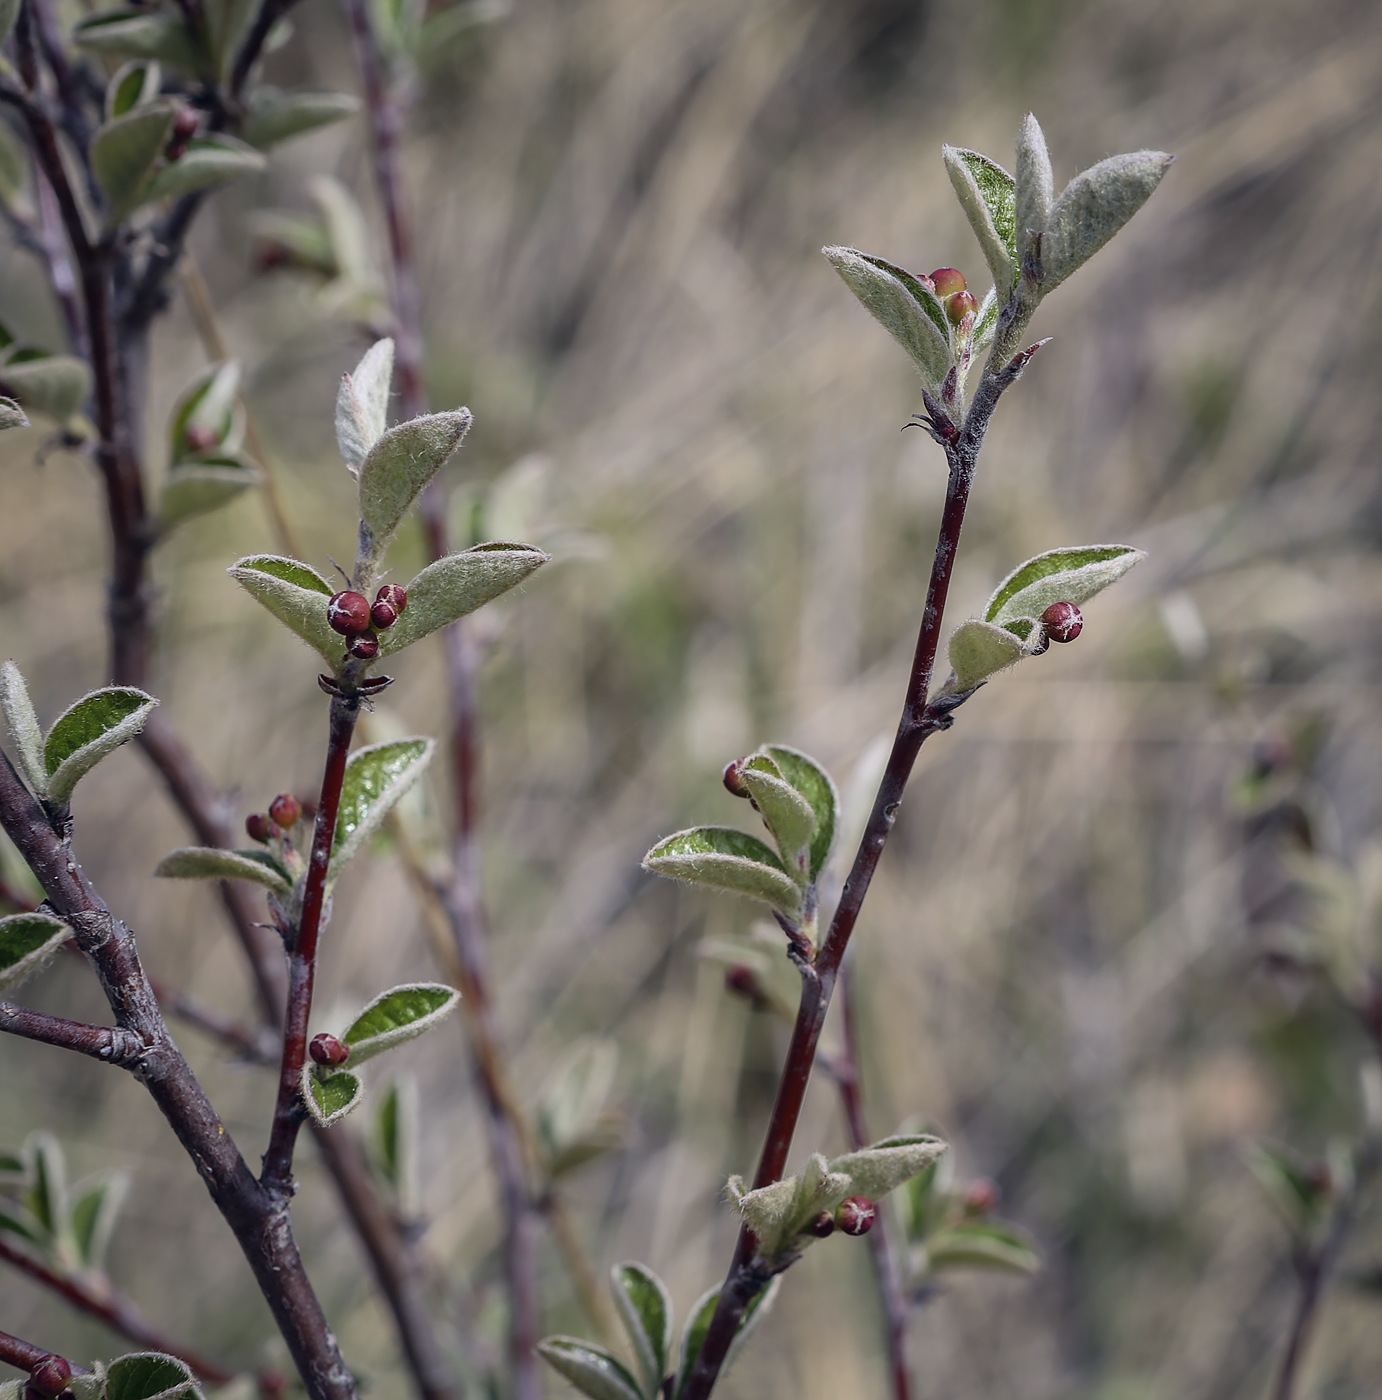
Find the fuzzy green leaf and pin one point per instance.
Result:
(86, 732)
(94, 1210)
(876, 1170)
(276, 116)
(23, 725)
(207, 405)
(395, 1143)
(362, 404)
(1035, 192)
(646, 1311)
(778, 1213)
(27, 941)
(124, 153)
(297, 596)
(787, 814)
(148, 1375)
(396, 468)
(987, 196)
(207, 161)
(55, 385)
(590, 1368)
(197, 489)
(1093, 207)
(213, 863)
(698, 1324)
(983, 1244)
(375, 778)
(46, 1197)
(902, 306)
(574, 1121)
(1071, 575)
(817, 787)
(979, 650)
(11, 415)
(329, 1100)
(134, 85)
(141, 34)
(398, 1015)
(726, 859)
(455, 586)
(227, 26)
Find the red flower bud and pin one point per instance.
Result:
(186, 123)
(327, 1050)
(383, 614)
(855, 1215)
(1062, 622)
(959, 306)
(364, 647)
(733, 778)
(259, 827)
(948, 281)
(348, 613)
(981, 1197)
(743, 982)
(822, 1226)
(285, 810)
(393, 595)
(50, 1375)
(199, 437)
(927, 283)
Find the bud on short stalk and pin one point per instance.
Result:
(383, 615)
(959, 306)
(1062, 622)
(199, 437)
(364, 647)
(348, 613)
(822, 1226)
(327, 1050)
(743, 982)
(855, 1215)
(733, 778)
(393, 595)
(285, 810)
(947, 281)
(50, 1376)
(258, 827)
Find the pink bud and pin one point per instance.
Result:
(260, 828)
(959, 306)
(981, 1197)
(948, 281)
(199, 437)
(855, 1215)
(733, 778)
(50, 1375)
(285, 810)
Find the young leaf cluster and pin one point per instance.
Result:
(376, 778)
(66, 1227)
(392, 1018)
(53, 764)
(780, 1215)
(1011, 626)
(206, 468)
(645, 1309)
(797, 800)
(56, 386)
(1031, 240)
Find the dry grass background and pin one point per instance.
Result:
(619, 207)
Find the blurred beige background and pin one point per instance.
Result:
(619, 207)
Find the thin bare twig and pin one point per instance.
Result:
(110, 1307)
(24, 1356)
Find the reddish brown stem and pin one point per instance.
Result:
(387, 108)
(109, 1044)
(743, 1281)
(118, 1313)
(277, 1177)
(24, 1356)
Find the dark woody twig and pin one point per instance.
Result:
(24, 1356)
(110, 1044)
(259, 1220)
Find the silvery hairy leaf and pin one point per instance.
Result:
(362, 404)
(93, 1210)
(330, 1097)
(876, 1170)
(22, 722)
(87, 731)
(818, 788)
(1071, 575)
(646, 1312)
(590, 1368)
(729, 860)
(134, 33)
(277, 116)
(125, 152)
(56, 385)
(375, 778)
(133, 85)
(698, 1324)
(27, 942)
(979, 650)
(1035, 191)
(985, 190)
(297, 595)
(903, 307)
(213, 863)
(982, 1244)
(1093, 207)
(11, 415)
(785, 812)
(207, 161)
(398, 1015)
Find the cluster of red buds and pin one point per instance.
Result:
(854, 1216)
(284, 813)
(353, 616)
(186, 123)
(948, 283)
(1061, 622)
(48, 1378)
